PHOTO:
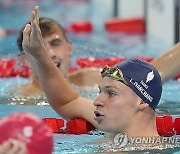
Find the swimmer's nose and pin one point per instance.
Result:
(98, 102)
(52, 54)
(53, 57)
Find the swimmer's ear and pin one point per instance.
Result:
(143, 105)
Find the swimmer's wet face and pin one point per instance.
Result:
(119, 102)
(59, 50)
(116, 106)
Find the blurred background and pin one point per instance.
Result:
(161, 19)
(112, 28)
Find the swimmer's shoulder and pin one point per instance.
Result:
(85, 77)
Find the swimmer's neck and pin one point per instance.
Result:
(139, 127)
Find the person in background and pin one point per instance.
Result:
(128, 93)
(60, 51)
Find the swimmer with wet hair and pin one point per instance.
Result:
(60, 50)
(128, 93)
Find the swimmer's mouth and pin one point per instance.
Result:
(97, 114)
(58, 64)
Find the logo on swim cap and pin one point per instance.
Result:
(121, 140)
(143, 78)
(149, 77)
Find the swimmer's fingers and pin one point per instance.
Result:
(36, 35)
(4, 147)
(35, 27)
(18, 147)
(37, 14)
(12, 146)
(26, 37)
(32, 37)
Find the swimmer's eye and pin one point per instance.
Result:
(55, 42)
(111, 93)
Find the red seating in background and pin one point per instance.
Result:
(125, 25)
(82, 26)
(111, 25)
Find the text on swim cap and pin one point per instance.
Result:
(142, 90)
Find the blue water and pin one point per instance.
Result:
(13, 14)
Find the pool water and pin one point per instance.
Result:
(99, 44)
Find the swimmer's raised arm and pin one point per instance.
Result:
(61, 96)
(168, 64)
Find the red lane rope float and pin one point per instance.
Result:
(82, 26)
(84, 62)
(166, 126)
(29, 129)
(164, 123)
(147, 59)
(98, 62)
(8, 65)
(125, 25)
(8, 68)
(76, 126)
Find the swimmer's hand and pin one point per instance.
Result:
(12, 146)
(32, 37)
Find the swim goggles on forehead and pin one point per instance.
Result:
(114, 73)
